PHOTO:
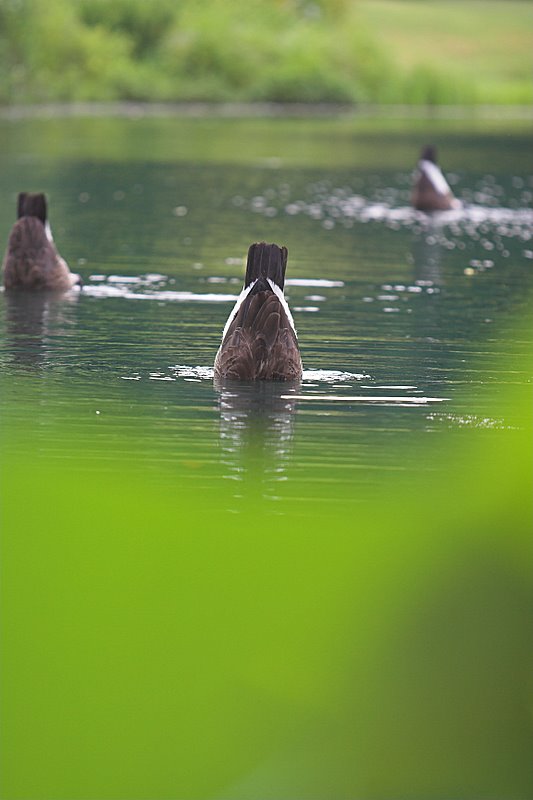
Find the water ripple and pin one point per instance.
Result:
(152, 287)
(369, 399)
(123, 289)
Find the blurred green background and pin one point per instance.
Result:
(329, 51)
(161, 640)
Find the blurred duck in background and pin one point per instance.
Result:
(259, 340)
(31, 260)
(431, 191)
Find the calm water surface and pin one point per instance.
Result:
(405, 321)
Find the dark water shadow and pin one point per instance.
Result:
(256, 430)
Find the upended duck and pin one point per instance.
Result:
(31, 260)
(431, 191)
(259, 340)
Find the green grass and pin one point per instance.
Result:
(386, 51)
(482, 42)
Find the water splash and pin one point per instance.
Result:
(331, 376)
(332, 206)
(197, 373)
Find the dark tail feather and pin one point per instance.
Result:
(429, 153)
(266, 261)
(32, 205)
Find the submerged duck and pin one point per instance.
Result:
(31, 260)
(259, 341)
(431, 191)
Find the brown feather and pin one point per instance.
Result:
(31, 260)
(260, 343)
(426, 198)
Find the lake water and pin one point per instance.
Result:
(416, 352)
(404, 320)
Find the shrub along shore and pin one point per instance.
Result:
(424, 52)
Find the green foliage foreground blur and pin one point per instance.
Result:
(334, 51)
(165, 641)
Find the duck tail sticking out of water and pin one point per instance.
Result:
(31, 260)
(431, 191)
(259, 340)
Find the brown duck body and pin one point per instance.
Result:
(430, 189)
(259, 341)
(31, 259)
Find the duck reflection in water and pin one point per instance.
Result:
(257, 367)
(40, 289)
(426, 249)
(35, 322)
(256, 428)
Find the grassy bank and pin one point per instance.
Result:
(385, 51)
(485, 45)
